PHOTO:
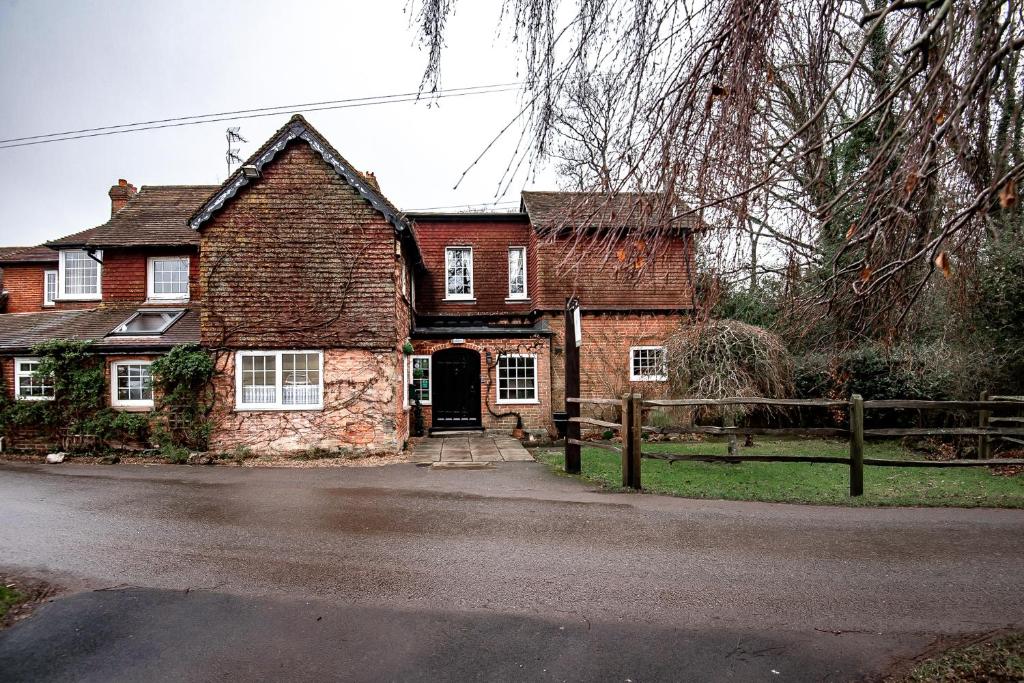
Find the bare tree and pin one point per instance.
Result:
(875, 143)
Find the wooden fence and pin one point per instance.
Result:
(631, 430)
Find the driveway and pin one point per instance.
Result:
(410, 573)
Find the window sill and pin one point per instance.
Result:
(150, 301)
(532, 402)
(648, 379)
(62, 299)
(132, 409)
(459, 301)
(518, 300)
(33, 398)
(49, 305)
(278, 409)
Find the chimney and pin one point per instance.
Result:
(120, 194)
(371, 180)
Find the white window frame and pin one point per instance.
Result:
(409, 379)
(47, 274)
(536, 383)
(448, 296)
(129, 403)
(526, 289)
(18, 377)
(151, 294)
(633, 377)
(278, 381)
(96, 256)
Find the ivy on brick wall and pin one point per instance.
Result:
(182, 380)
(78, 417)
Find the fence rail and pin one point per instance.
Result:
(631, 430)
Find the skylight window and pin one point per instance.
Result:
(146, 322)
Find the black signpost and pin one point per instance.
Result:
(573, 337)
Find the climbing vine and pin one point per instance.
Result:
(182, 380)
(78, 417)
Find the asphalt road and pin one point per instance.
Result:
(403, 573)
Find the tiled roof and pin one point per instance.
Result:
(156, 216)
(597, 210)
(20, 331)
(40, 254)
(7, 251)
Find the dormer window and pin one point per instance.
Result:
(458, 262)
(79, 275)
(148, 322)
(167, 278)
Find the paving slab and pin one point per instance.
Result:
(475, 448)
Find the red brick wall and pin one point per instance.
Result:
(125, 273)
(298, 259)
(490, 242)
(605, 357)
(597, 276)
(24, 286)
(536, 416)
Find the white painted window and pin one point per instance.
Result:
(79, 275)
(131, 384)
(517, 272)
(49, 287)
(647, 364)
(279, 380)
(417, 375)
(458, 263)
(517, 378)
(167, 278)
(28, 385)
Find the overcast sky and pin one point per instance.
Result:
(74, 65)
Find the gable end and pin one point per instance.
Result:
(299, 129)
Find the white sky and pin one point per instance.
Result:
(75, 65)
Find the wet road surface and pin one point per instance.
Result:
(405, 573)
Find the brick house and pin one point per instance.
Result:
(311, 288)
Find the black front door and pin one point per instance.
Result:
(456, 391)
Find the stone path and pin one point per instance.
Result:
(475, 448)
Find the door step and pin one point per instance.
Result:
(455, 432)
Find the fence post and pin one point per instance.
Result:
(856, 445)
(572, 389)
(626, 433)
(729, 420)
(984, 446)
(635, 432)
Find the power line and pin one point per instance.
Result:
(197, 119)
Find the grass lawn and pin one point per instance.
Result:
(997, 660)
(816, 483)
(8, 598)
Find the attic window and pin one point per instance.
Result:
(149, 322)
